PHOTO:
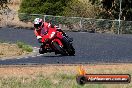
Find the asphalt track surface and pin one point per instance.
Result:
(90, 48)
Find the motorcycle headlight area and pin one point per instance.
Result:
(52, 35)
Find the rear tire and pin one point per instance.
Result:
(69, 47)
(71, 50)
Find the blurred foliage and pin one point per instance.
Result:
(126, 27)
(69, 22)
(3, 5)
(111, 9)
(28, 17)
(48, 7)
(81, 8)
(24, 46)
(59, 7)
(62, 20)
(42, 7)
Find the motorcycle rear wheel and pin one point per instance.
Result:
(69, 47)
(71, 50)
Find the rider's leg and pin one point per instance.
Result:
(42, 49)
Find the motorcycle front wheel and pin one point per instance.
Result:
(71, 50)
(41, 51)
(59, 49)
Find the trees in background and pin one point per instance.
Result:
(81, 8)
(3, 5)
(110, 9)
(106, 9)
(48, 7)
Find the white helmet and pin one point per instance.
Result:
(37, 23)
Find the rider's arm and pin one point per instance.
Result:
(38, 35)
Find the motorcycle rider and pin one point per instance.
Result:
(41, 28)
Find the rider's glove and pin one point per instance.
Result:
(39, 39)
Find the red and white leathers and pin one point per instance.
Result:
(43, 29)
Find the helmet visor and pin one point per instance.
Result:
(37, 26)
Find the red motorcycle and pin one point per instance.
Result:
(56, 42)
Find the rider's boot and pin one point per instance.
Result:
(42, 49)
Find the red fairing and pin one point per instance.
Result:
(58, 41)
(53, 36)
(59, 35)
(44, 38)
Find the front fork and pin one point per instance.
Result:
(58, 41)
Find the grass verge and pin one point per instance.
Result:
(58, 76)
(21, 45)
(9, 50)
(24, 46)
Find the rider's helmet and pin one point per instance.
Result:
(38, 23)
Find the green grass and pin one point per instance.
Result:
(14, 82)
(52, 81)
(24, 46)
(20, 44)
(43, 82)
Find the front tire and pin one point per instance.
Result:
(59, 49)
(41, 51)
